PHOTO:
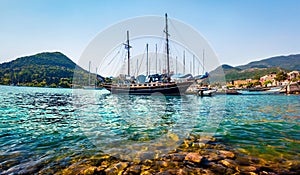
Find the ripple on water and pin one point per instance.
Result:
(43, 129)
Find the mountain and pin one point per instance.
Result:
(43, 69)
(290, 62)
(54, 69)
(46, 59)
(228, 67)
(256, 69)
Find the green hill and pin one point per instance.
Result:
(252, 73)
(256, 69)
(46, 59)
(217, 75)
(54, 69)
(44, 69)
(290, 62)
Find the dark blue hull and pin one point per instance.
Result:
(150, 89)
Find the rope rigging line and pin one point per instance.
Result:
(115, 56)
(138, 68)
(182, 38)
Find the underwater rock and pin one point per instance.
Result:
(198, 158)
(148, 172)
(182, 172)
(229, 163)
(193, 157)
(198, 145)
(218, 168)
(116, 168)
(132, 170)
(89, 171)
(227, 154)
(247, 168)
(214, 157)
(243, 160)
(177, 156)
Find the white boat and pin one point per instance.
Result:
(274, 90)
(206, 92)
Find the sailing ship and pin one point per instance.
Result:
(155, 84)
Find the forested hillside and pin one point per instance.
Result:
(52, 69)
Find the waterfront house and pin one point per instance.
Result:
(244, 83)
(269, 77)
(293, 75)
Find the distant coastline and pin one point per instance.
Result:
(54, 69)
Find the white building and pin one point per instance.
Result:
(270, 77)
(292, 75)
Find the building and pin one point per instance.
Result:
(269, 77)
(293, 75)
(242, 83)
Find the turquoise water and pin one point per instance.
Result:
(46, 130)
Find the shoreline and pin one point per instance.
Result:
(226, 92)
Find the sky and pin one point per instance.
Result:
(239, 31)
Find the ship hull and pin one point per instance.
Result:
(173, 89)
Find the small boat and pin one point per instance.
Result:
(274, 90)
(206, 92)
(228, 92)
(90, 85)
(202, 76)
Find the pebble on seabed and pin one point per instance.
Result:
(209, 158)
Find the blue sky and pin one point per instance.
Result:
(239, 31)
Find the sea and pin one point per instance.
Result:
(46, 130)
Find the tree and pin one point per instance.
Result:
(280, 76)
(257, 83)
(53, 85)
(256, 77)
(249, 84)
(64, 83)
(267, 82)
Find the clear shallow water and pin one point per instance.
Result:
(45, 130)
(266, 126)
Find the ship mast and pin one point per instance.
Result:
(203, 62)
(167, 40)
(127, 46)
(147, 61)
(89, 73)
(156, 57)
(183, 62)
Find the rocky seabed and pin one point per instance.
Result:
(193, 156)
